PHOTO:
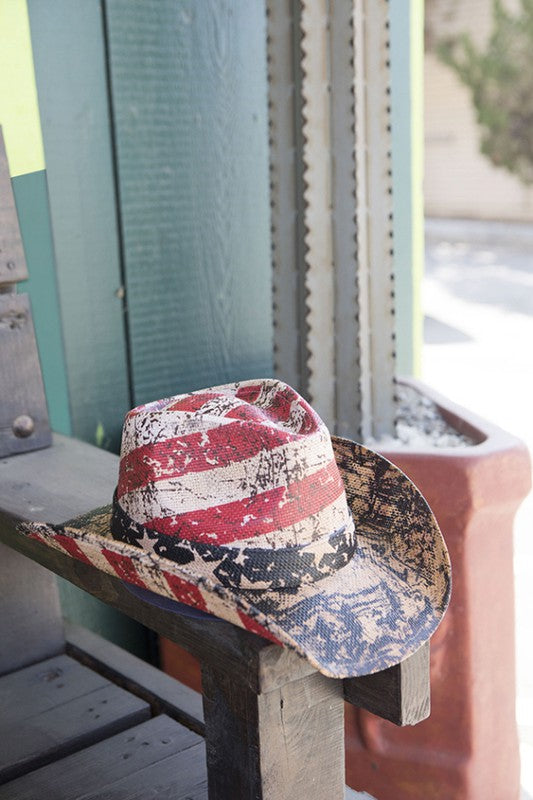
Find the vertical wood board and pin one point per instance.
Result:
(69, 57)
(288, 742)
(189, 100)
(23, 414)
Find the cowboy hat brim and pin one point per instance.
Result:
(367, 616)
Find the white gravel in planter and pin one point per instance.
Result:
(419, 424)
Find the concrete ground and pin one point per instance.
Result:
(478, 351)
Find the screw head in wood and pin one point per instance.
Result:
(23, 426)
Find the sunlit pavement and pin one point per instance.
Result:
(478, 351)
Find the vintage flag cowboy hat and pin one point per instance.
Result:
(235, 500)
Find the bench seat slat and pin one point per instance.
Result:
(56, 707)
(95, 769)
(164, 694)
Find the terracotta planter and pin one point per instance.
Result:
(468, 748)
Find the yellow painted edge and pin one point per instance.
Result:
(417, 174)
(19, 108)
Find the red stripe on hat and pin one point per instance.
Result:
(249, 393)
(251, 625)
(253, 413)
(193, 402)
(279, 407)
(265, 512)
(124, 567)
(275, 407)
(185, 592)
(172, 458)
(72, 547)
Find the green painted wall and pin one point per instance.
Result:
(70, 68)
(32, 207)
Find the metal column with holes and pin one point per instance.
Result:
(331, 194)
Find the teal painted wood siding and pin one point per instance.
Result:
(70, 68)
(189, 99)
(31, 198)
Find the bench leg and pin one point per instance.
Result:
(288, 742)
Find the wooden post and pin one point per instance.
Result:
(284, 743)
(23, 414)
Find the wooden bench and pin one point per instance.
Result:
(79, 717)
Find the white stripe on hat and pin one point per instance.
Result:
(269, 469)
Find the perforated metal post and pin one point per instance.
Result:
(331, 193)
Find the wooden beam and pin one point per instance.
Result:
(400, 694)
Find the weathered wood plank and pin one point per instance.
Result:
(180, 777)
(55, 708)
(286, 743)
(165, 694)
(23, 414)
(95, 769)
(31, 628)
(44, 686)
(400, 694)
(12, 261)
(58, 483)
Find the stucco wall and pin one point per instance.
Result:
(459, 181)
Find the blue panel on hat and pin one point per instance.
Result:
(166, 603)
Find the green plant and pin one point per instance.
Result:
(500, 79)
(100, 438)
